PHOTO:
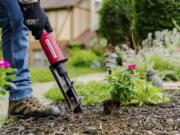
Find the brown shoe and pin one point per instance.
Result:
(31, 107)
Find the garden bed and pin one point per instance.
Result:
(162, 119)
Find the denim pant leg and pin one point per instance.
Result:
(15, 48)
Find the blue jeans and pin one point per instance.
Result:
(15, 48)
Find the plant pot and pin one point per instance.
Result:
(110, 106)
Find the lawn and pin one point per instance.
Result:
(43, 74)
(92, 92)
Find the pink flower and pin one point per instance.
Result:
(7, 64)
(132, 66)
(4, 64)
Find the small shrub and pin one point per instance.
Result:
(83, 58)
(74, 45)
(122, 87)
(161, 64)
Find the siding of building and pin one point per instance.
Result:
(67, 22)
(81, 18)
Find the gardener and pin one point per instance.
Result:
(15, 50)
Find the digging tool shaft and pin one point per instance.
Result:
(57, 60)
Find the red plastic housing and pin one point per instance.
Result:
(51, 49)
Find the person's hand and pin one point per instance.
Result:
(35, 19)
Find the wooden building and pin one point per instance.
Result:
(71, 20)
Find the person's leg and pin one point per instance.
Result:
(15, 50)
(15, 47)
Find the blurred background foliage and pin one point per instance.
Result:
(125, 20)
(79, 63)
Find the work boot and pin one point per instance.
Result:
(31, 107)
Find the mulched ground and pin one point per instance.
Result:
(163, 119)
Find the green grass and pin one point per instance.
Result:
(92, 92)
(44, 74)
(40, 75)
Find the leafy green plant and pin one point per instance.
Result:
(161, 64)
(128, 88)
(74, 45)
(83, 58)
(146, 93)
(122, 87)
(4, 79)
(6, 75)
(92, 92)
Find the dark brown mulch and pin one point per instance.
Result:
(163, 119)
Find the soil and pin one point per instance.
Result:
(110, 106)
(162, 119)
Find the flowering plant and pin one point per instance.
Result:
(129, 88)
(6, 74)
(4, 64)
(132, 66)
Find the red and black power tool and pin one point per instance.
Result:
(57, 60)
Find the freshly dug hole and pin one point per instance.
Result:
(110, 106)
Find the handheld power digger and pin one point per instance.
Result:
(57, 60)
